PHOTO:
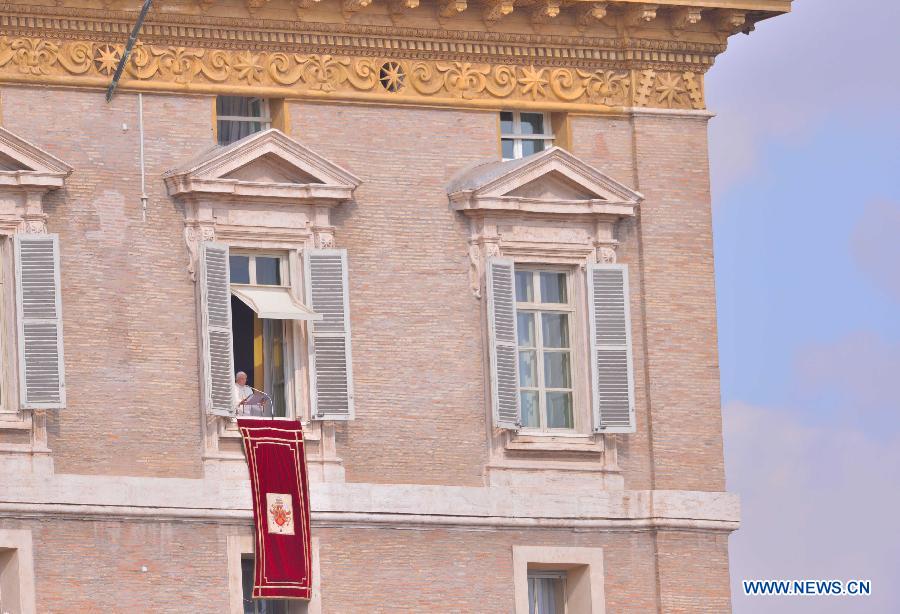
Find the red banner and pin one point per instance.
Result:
(277, 463)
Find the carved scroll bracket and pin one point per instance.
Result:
(484, 244)
(194, 233)
(605, 242)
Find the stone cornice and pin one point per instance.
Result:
(361, 504)
(589, 69)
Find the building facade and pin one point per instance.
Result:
(467, 244)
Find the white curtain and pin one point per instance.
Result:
(237, 106)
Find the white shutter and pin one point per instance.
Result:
(39, 322)
(217, 348)
(611, 365)
(501, 307)
(331, 364)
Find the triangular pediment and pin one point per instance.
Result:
(269, 164)
(271, 169)
(552, 181)
(30, 164)
(554, 186)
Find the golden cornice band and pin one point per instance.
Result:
(283, 74)
(352, 39)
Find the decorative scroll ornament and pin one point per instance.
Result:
(606, 255)
(194, 234)
(27, 59)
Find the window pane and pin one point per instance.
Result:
(239, 267)
(530, 412)
(530, 146)
(268, 271)
(559, 410)
(525, 326)
(532, 123)
(509, 148)
(555, 330)
(506, 122)
(524, 286)
(545, 596)
(557, 370)
(528, 369)
(553, 288)
(231, 131)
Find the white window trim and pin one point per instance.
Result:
(20, 542)
(579, 355)
(581, 597)
(283, 265)
(569, 307)
(239, 546)
(517, 137)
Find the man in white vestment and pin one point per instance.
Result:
(242, 392)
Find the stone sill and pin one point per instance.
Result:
(588, 444)
(20, 421)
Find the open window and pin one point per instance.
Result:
(263, 310)
(273, 290)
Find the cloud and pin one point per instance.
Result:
(793, 74)
(875, 244)
(819, 502)
(855, 380)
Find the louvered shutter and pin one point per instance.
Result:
(611, 372)
(501, 306)
(331, 372)
(215, 304)
(39, 322)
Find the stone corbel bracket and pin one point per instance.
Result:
(553, 189)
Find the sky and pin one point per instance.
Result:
(805, 159)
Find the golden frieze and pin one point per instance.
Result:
(298, 75)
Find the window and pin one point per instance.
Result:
(558, 580)
(544, 313)
(258, 342)
(240, 116)
(258, 606)
(546, 592)
(524, 133)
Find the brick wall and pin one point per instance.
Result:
(679, 302)
(417, 357)
(129, 312)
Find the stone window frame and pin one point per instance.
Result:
(263, 215)
(585, 583)
(17, 552)
(488, 195)
(27, 175)
(239, 547)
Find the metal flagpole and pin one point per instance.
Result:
(128, 46)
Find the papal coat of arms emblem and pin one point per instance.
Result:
(280, 512)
